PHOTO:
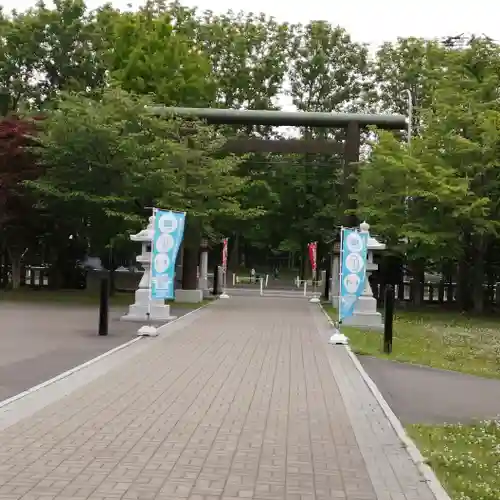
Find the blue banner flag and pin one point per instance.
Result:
(167, 238)
(353, 270)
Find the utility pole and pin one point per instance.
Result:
(409, 98)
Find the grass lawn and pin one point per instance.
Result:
(465, 458)
(451, 341)
(82, 297)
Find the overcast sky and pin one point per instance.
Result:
(371, 22)
(366, 21)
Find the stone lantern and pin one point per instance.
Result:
(335, 275)
(365, 313)
(144, 308)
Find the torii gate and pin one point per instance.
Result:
(352, 123)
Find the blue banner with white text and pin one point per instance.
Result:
(167, 238)
(353, 270)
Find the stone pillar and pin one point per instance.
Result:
(352, 146)
(335, 285)
(221, 277)
(203, 279)
(322, 277)
(138, 311)
(189, 296)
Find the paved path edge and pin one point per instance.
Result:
(68, 373)
(430, 477)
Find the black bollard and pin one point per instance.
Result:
(215, 290)
(104, 306)
(388, 318)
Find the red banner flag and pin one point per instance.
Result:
(312, 254)
(224, 253)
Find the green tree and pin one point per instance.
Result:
(413, 200)
(20, 55)
(101, 158)
(449, 179)
(105, 157)
(328, 73)
(48, 50)
(153, 51)
(413, 64)
(249, 57)
(72, 49)
(465, 132)
(208, 185)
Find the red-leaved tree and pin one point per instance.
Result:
(19, 216)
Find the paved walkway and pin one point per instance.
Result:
(41, 340)
(244, 400)
(436, 396)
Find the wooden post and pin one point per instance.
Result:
(351, 159)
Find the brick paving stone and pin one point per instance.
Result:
(245, 400)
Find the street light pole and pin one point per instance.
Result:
(409, 97)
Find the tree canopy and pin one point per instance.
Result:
(89, 168)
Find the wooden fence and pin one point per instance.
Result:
(434, 293)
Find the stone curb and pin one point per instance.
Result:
(68, 373)
(430, 477)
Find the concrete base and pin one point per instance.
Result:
(365, 315)
(338, 338)
(202, 284)
(368, 321)
(206, 293)
(314, 300)
(138, 312)
(223, 296)
(147, 331)
(189, 296)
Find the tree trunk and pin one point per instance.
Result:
(56, 278)
(417, 283)
(190, 255)
(303, 262)
(111, 268)
(478, 252)
(112, 282)
(189, 268)
(57, 269)
(234, 256)
(15, 256)
(4, 274)
(463, 292)
(463, 284)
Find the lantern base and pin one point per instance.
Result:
(145, 309)
(189, 296)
